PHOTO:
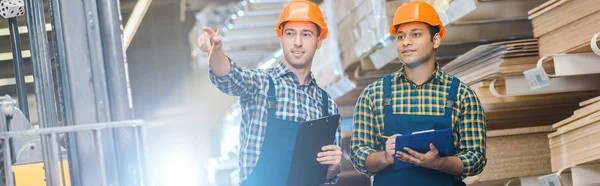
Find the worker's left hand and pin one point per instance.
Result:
(430, 159)
(331, 155)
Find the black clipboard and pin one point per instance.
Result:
(312, 136)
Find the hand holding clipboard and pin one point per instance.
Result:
(423, 144)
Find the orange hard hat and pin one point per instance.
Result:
(302, 10)
(417, 11)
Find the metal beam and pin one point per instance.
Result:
(18, 66)
(42, 69)
(117, 84)
(85, 101)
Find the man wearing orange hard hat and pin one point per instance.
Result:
(277, 101)
(417, 106)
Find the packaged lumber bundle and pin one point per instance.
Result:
(518, 152)
(576, 140)
(565, 26)
(496, 60)
(361, 25)
(526, 111)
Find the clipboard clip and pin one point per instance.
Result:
(423, 131)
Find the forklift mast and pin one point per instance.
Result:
(83, 97)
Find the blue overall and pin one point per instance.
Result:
(274, 162)
(406, 124)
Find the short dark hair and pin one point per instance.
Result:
(317, 26)
(432, 30)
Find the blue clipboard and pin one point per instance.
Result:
(442, 139)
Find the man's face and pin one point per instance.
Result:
(299, 42)
(414, 44)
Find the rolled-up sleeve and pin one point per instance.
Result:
(472, 134)
(364, 138)
(239, 81)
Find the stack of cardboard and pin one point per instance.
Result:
(576, 140)
(496, 60)
(361, 25)
(565, 26)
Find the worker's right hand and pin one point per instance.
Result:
(206, 40)
(390, 149)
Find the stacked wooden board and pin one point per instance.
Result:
(565, 26)
(529, 153)
(518, 128)
(576, 140)
(525, 111)
(516, 152)
(496, 60)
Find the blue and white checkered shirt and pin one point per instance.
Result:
(296, 102)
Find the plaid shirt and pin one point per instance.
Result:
(298, 103)
(468, 120)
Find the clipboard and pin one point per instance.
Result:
(312, 136)
(442, 139)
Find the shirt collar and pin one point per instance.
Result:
(281, 71)
(437, 75)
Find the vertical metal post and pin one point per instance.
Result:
(42, 69)
(99, 147)
(64, 89)
(18, 66)
(45, 157)
(85, 101)
(53, 163)
(62, 168)
(10, 180)
(118, 89)
(139, 141)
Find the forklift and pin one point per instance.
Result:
(87, 135)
